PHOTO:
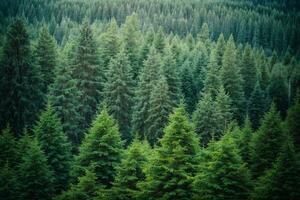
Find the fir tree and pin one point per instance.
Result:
(292, 123)
(160, 107)
(170, 170)
(20, 86)
(159, 41)
(220, 48)
(266, 143)
(245, 141)
(100, 150)
(225, 176)
(87, 74)
(45, 55)
(232, 80)
(55, 145)
(204, 34)
(119, 94)
(8, 183)
(35, 176)
(282, 181)
(8, 148)
(224, 108)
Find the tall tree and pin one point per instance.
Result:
(225, 176)
(232, 80)
(87, 74)
(46, 57)
(220, 48)
(119, 93)
(224, 109)
(101, 150)
(174, 162)
(9, 184)
(8, 148)
(20, 86)
(159, 40)
(55, 145)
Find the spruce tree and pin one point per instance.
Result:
(248, 71)
(266, 143)
(46, 57)
(225, 176)
(220, 48)
(170, 170)
(35, 176)
(245, 141)
(282, 181)
(159, 41)
(20, 86)
(101, 150)
(130, 171)
(55, 145)
(232, 80)
(204, 34)
(160, 106)
(8, 183)
(87, 74)
(8, 148)
(119, 93)
(292, 123)
(147, 79)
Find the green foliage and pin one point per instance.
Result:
(100, 150)
(292, 123)
(171, 168)
(8, 148)
(55, 145)
(8, 183)
(245, 141)
(225, 175)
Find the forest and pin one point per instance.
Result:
(149, 100)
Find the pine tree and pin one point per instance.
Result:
(110, 44)
(232, 80)
(148, 77)
(174, 162)
(266, 143)
(248, 71)
(20, 91)
(130, 171)
(45, 55)
(35, 176)
(119, 93)
(8, 148)
(100, 149)
(282, 181)
(160, 106)
(212, 81)
(87, 74)
(55, 145)
(225, 176)
(8, 183)
(257, 105)
(292, 122)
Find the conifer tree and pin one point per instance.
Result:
(130, 171)
(160, 107)
(8, 183)
(20, 86)
(119, 93)
(8, 148)
(245, 141)
(224, 109)
(220, 48)
(257, 105)
(174, 162)
(46, 57)
(35, 176)
(248, 71)
(282, 181)
(232, 80)
(204, 34)
(55, 145)
(225, 176)
(100, 150)
(292, 123)
(266, 143)
(87, 74)
(147, 79)
(159, 40)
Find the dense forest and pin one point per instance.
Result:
(149, 99)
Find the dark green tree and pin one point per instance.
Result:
(171, 168)
(159, 40)
(8, 148)
(245, 141)
(55, 145)
(220, 48)
(8, 183)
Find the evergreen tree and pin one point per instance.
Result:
(46, 57)
(160, 107)
(8, 149)
(266, 143)
(147, 79)
(232, 80)
(159, 41)
(220, 48)
(204, 34)
(119, 94)
(8, 183)
(292, 123)
(245, 141)
(100, 150)
(87, 74)
(225, 176)
(248, 71)
(55, 145)
(170, 170)
(130, 172)
(20, 91)
(257, 105)
(35, 176)
(282, 181)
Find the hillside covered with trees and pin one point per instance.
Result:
(149, 99)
